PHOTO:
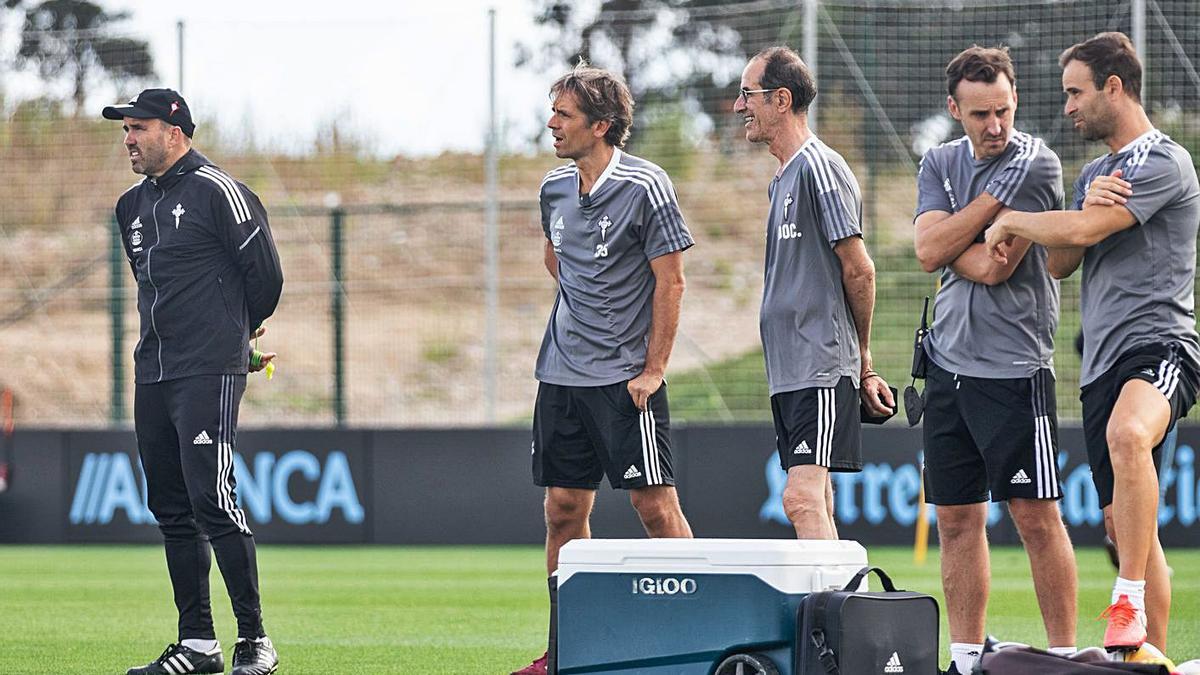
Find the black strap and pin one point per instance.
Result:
(883, 577)
(824, 653)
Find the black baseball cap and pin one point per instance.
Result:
(156, 104)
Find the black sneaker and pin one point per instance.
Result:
(178, 660)
(254, 657)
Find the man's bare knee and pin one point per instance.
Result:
(803, 501)
(1130, 440)
(1038, 521)
(654, 503)
(959, 521)
(566, 510)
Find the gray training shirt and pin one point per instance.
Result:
(600, 325)
(808, 333)
(1138, 283)
(1004, 331)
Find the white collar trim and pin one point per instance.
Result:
(799, 150)
(1137, 140)
(612, 164)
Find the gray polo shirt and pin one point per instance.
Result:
(1138, 284)
(1004, 331)
(808, 333)
(604, 240)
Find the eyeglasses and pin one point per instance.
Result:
(744, 93)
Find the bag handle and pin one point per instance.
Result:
(862, 574)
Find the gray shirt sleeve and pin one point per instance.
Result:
(545, 208)
(1006, 184)
(931, 194)
(1156, 182)
(663, 230)
(837, 215)
(1042, 188)
(1080, 188)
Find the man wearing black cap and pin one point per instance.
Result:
(208, 274)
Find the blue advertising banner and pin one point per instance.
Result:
(474, 486)
(293, 486)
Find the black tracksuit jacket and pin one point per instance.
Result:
(206, 268)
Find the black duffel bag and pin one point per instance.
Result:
(1030, 661)
(847, 632)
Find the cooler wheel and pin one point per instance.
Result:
(747, 664)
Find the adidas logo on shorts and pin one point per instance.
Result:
(202, 439)
(1019, 478)
(803, 449)
(893, 664)
(632, 472)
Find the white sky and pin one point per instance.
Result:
(406, 77)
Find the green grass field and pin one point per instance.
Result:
(101, 609)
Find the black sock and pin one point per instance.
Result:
(239, 567)
(552, 641)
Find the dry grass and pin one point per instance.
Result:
(414, 283)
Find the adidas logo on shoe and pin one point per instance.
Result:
(202, 438)
(803, 449)
(1019, 478)
(894, 665)
(632, 472)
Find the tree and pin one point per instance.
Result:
(667, 50)
(76, 39)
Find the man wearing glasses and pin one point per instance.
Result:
(818, 295)
(614, 244)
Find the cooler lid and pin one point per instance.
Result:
(657, 553)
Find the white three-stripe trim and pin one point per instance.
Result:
(225, 497)
(178, 665)
(826, 415)
(647, 179)
(650, 446)
(1045, 463)
(1168, 377)
(237, 201)
(560, 172)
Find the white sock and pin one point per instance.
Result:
(1062, 651)
(965, 655)
(1136, 590)
(202, 646)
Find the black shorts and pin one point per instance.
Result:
(582, 433)
(819, 426)
(990, 436)
(1167, 367)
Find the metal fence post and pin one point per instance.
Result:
(491, 238)
(179, 49)
(1137, 28)
(116, 312)
(336, 218)
(810, 53)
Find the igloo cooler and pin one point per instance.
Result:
(684, 606)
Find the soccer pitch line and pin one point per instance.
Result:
(102, 609)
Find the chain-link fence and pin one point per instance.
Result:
(413, 342)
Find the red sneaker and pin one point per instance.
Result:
(1126, 625)
(538, 667)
